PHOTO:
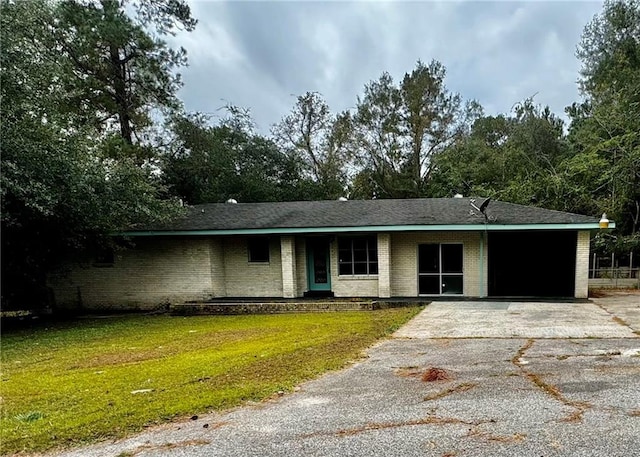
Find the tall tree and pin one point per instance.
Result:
(320, 139)
(62, 186)
(121, 71)
(401, 128)
(605, 126)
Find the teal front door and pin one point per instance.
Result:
(318, 270)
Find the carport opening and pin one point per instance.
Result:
(532, 263)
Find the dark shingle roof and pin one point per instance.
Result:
(362, 213)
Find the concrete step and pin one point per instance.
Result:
(274, 307)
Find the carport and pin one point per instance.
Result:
(532, 263)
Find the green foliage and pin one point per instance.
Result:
(606, 125)
(320, 141)
(117, 73)
(517, 158)
(64, 183)
(72, 383)
(229, 160)
(399, 129)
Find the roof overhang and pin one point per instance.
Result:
(372, 228)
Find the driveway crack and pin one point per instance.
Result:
(429, 420)
(616, 319)
(579, 407)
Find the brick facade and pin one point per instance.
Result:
(155, 272)
(162, 270)
(582, 265)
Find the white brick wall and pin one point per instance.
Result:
(157, 271)
(288, 255)
(247, 279)
(384, 265)
(218, 279)
(301, 265)
(582, 265)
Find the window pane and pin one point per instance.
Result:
(428, 259)
(452, 258)
(429, 285)
(344, 255)
(373, 268)
(451, 284)
(104, 257)
(360, 255)
(344, 243)
(373, 253)
(258, 249)
(345, 269)
(359, 243)
(360, 268)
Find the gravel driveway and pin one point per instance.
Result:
(522, 392)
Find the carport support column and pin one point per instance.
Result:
(582, 265)
(482, 290)
(384, 265)
(288, 256)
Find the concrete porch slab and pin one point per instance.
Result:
(515, 320)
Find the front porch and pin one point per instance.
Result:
(278, 306)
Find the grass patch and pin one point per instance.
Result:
(75, 383)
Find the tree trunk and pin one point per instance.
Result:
(120, 88)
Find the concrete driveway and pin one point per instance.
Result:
(520, 380)
(523, 320)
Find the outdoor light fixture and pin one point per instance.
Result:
(604, 222)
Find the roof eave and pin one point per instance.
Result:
(371, 228)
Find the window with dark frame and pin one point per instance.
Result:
(440, 269)
(357, 255)
(258, 250)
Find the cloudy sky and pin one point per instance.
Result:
(261, 55)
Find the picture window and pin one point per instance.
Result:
(357, 255)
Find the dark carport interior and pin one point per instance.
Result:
(532, 263)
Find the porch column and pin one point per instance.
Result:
(582, 265)
(384, 265)
(216, 255)
(288, 256)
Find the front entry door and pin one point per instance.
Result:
(318, 271)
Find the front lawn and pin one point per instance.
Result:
(78, 382)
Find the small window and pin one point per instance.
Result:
(258, 250)
(358, 255)
(104, 257)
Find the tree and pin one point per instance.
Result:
(213, 163)
(401, 128)
(119, 74)
(519, 158)
(320, 140)
(62, 186)
(605, 125)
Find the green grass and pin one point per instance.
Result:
(74, 383)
